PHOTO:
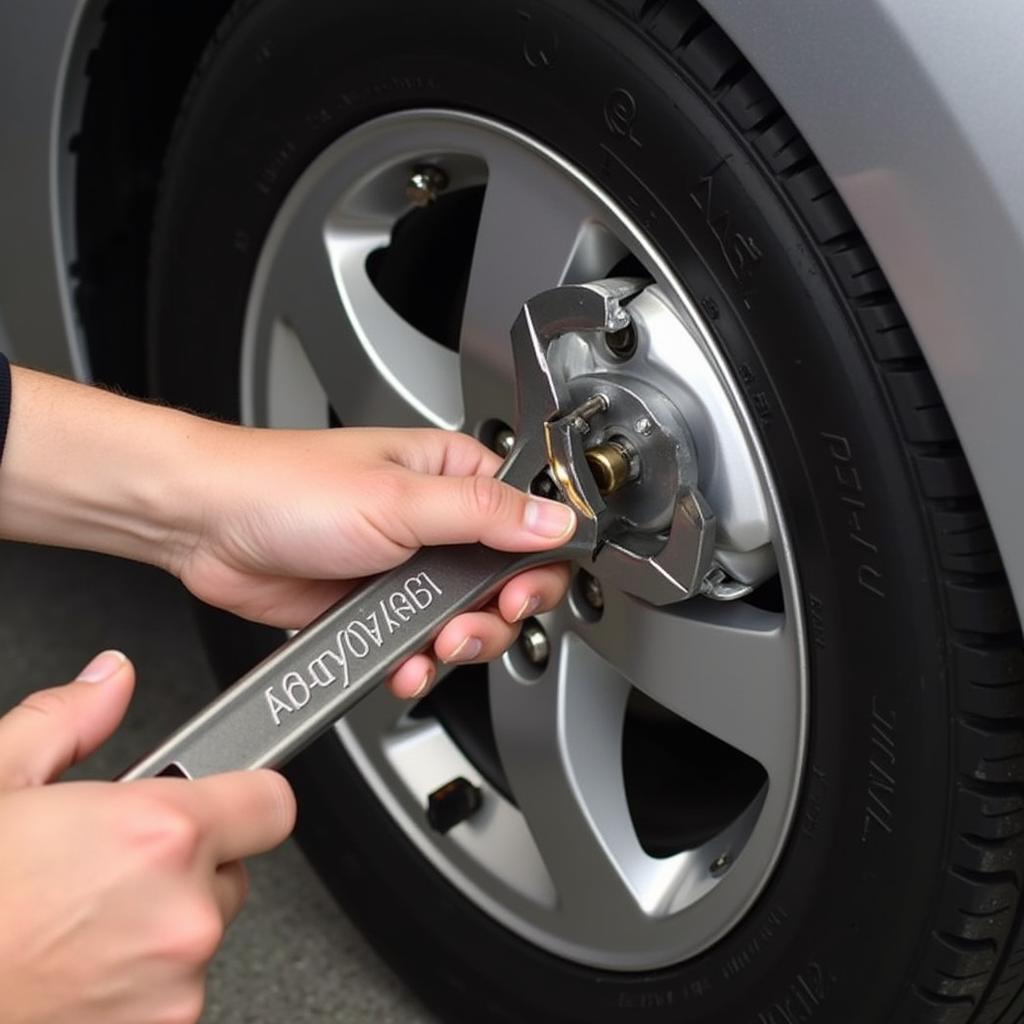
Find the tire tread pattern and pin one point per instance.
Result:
(971, 967)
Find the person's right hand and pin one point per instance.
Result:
(115, 896)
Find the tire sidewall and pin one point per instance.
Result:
(847, 900)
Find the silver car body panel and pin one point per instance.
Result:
(899, 100)
(40, 105)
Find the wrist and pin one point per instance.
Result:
(88, 469)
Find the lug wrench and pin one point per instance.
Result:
(288, 700)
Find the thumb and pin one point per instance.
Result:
(461, 510)
(50, 730)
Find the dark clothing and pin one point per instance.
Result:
(5, 400)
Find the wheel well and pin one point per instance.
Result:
(135, 80)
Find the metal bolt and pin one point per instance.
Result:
(590, 589)
(534, 643)
(425, 184)
(504, 439)
(721, 864)
(583, 414)
(621, 343)
(591, 407)
(644, 426)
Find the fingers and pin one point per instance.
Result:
(239, 814)
(532, 592)
(414, 677)
(53, 729)
(484, 635)
(231, 889)
(440, 490)
(463, 510)
(475, 636)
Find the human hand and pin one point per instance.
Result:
(114, 896)
(274, 525)
(291, 521)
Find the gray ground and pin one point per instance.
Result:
(291, 957)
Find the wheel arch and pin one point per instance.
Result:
(932, 181)
(130, 68)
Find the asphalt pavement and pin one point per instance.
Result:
(292, 957)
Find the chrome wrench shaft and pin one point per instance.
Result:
(297, 693)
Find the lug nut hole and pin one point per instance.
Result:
(622, 343)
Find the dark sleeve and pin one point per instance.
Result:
(5, 400)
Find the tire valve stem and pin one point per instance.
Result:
(452, 804)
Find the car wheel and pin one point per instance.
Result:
(800, 805)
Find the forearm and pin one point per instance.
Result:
(88, 469)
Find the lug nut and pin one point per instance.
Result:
(425, 184)
(534, 643)
(504, 439)
(721, 864)
(590, 590)
(621, 343)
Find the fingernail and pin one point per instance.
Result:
(470, 647)
(549, 518)
(528, 607)
(102, 667)
(428, 678)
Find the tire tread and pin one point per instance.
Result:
(971, 968)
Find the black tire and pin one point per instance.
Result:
(897, 899)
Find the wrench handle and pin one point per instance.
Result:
(300, 690)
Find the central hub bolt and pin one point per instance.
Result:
(613, 465)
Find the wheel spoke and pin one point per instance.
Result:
(294, 397)
(531, 227)
(373, 365)
(559, 741)
(729, 668)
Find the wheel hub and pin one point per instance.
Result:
(658, 531)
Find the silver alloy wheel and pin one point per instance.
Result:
(562, 866)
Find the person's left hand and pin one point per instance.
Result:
(291, 521)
